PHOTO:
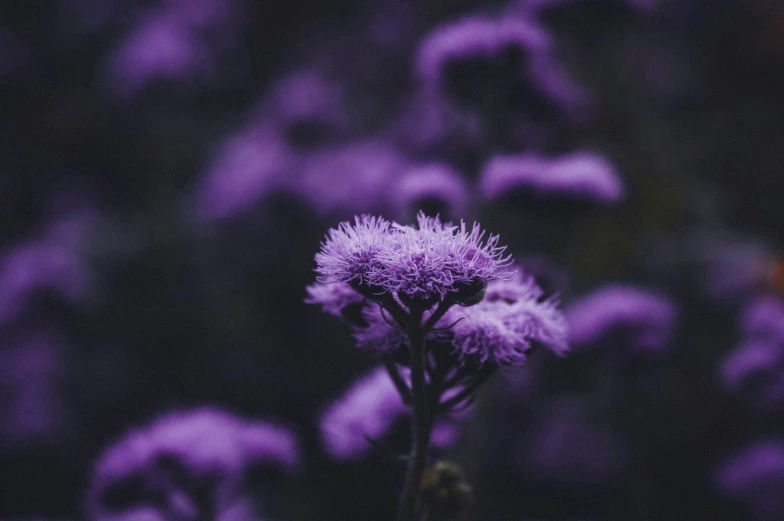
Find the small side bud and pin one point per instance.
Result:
(445, 494)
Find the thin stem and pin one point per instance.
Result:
(442, 308)
(394, 374)
(422, 424)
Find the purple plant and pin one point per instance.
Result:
(644, 319)
(502, 62)
(369, 409)
(757, 365)
(186, 464)
(756, 476)
(250, 166)
(440, 301)
(177, 41)
(436, 188)
(579, 175)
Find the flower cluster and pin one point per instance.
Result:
(431, 261)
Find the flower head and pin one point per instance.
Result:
(429, 261)
(507, 323)
(350, 251)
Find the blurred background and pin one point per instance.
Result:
(168, 169)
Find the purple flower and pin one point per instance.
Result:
(350, 179)
(646, 318)
(51, 262)
(580, 175)
(504, 326)
(763, 318)
(350, 252)
(370, 408)
(756, 476)
(500, 329)
(434, 188)
(333, 298)
(428, 261)
(247, 168)
(506, 59)
(432, 127)
(757, 366)
(177, 41)
(307, 108)
(178, 455)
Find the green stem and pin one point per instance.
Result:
(422, 424)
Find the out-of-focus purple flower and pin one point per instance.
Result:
(500, 329)
(763, 319)
(750, 359)
(179, 41)
(579, 175)
(31, 367)
(52, 262)
(435, 188)
(428, 261)
(645, 318)
(248, 167)
(757, 366)
(432, 127)
(756, 476)
(477, 59)
(369, 409)
(308, 109)
(571, 449)
(183, 459)
(333, 298)
(350, 179)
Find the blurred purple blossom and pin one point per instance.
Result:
(350, 179)
(435, 188)
(178, 41)
(333, 298)
(247, 168)
(307, 108)
(370, 408)
(579, 175)
(757, 365)
(53, 262)
(507, 58)
(763, 318)
(431, 127)
(755, 476)
(182, 459)
(646, 319)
